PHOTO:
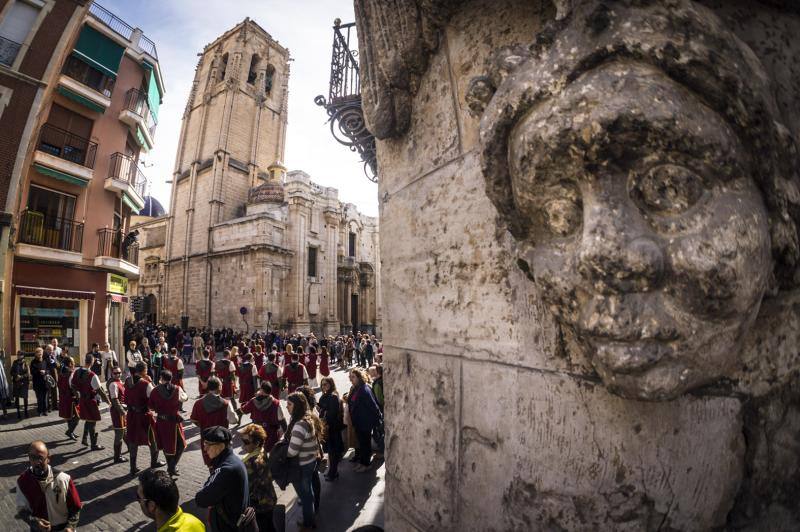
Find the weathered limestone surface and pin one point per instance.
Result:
(600, 199)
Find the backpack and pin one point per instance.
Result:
(284, 468)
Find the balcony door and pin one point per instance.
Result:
(66, 135)
(49, 219)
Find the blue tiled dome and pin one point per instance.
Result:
(152, 208)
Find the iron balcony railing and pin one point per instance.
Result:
(123, 168)
(121, 27)
(136, 102)
(38, 229)
(8, 51)
(68, 146)
(114, 243)
(89, 76)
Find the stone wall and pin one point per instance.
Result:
(497, 416)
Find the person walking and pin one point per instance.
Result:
(46, 498)
(67, 405)
(271, 373)
(158, 498)
(86, 385)
(295, 374)
(204, 369)
(226, 373)
(20, 381)
(198, 346)
(364, 414)
(174, 364)
(38, 372)
(212, 410)
(311, 366)
(116, 394)
(139, 419)
(305, 430)
(266, 412)
(166, 400)
(226, 493)
(259, 478)
(248, 378)
(330, 412)
(324, 360)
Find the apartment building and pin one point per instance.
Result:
(80, 182)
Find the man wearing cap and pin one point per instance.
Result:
(226, 492)
(166, 400)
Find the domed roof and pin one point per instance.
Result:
(269, 192)
(152, 208)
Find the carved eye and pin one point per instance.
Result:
(668, 189)
(562, 216)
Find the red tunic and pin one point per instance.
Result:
(224, 373)
(140, 420)
(263, 410)
(66, 403)
(323, 365)
(294, 376)
(165, 402)
(30, 488)
(247, 388)
(259, 360)
(210, 411)
(311, 365)
(117, 421)
(204, 368)
(269, 372)
(171, 364)
(88, 410)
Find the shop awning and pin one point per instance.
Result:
(39, 291)
(153, 93)
(116, 298)
(99, 51)
(84, 101)
(68, 178)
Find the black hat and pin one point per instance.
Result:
(217, 434)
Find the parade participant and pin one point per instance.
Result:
(265, 410)
(295, 374)
(287, 355)
(139, 420)
(67, 408)
(133, 355)
(158, 499)
(330, 412)
(204, 369)
(116, 394)
(86, 385)
(271, 373)
(226, 373)
(166, 400)
(235, 356)
(198, 346)
(211, 411)
(186, 348)
(226, 493)
(311, 366)
(20, 380)
(364, 414)
(324, 359)
(108, 359)
(47, 498)
(258, 357)
(259, 478)
(174, 364)
(248, 378)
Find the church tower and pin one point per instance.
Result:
(234, 129)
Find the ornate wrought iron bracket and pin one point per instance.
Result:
(343, 104)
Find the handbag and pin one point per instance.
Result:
(50, 381)
(284, 469)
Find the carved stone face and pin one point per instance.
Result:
(648, 236)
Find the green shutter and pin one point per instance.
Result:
(99, 51)
(142, 140)
(153, 93)
(129, 202)
(61, 175)
(86, 102)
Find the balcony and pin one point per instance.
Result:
(126, 180)
(8, 51)
(52, 239)
(86, 85)
(136, 114)
(64, 155)
(122, 28)
(118, 252)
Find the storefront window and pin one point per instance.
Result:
(41, 320)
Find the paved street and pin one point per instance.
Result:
(109, 492)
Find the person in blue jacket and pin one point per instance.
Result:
(226, 492)
(365, 414)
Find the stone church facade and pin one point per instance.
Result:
(242, 232)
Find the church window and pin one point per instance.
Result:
(268, 78)
(352, 247)
(312, 261)
(253, 73)
(223, 66)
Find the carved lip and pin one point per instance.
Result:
(630, 356)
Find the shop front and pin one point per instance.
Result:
(117, 288)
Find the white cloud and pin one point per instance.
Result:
(181, 28)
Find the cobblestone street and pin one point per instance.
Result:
(109, 492)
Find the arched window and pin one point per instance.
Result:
(268, 78)
(253, 73)
(223, 66)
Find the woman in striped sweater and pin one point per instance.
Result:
(306, 431)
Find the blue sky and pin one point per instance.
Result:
(181, 28)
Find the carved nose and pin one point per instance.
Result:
(611, 258)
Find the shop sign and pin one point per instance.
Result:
(117, 284)
(49, 312)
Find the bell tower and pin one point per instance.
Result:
(234, 128)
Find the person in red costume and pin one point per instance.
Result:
(311, 366)
(271, 372)
(248, 376)
(295, 374)
(139, 419)
(226, 373)
(266, 412)
(205, 370)
(116, 394)
(86, 385)
(213, 410)
(166, 400)
(324, 359)
(67, 405)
